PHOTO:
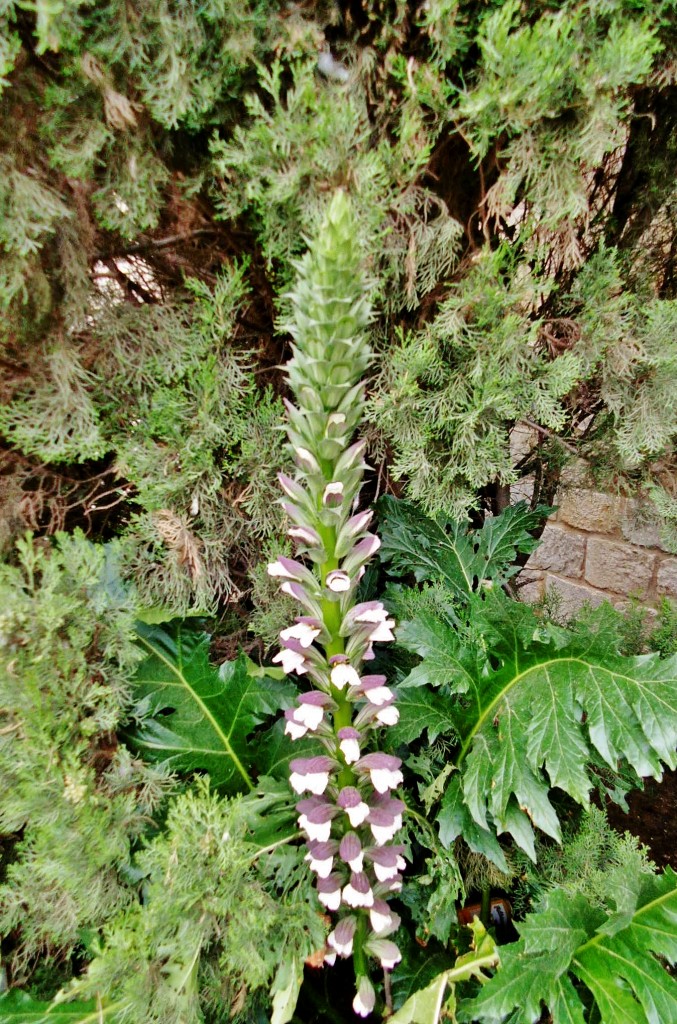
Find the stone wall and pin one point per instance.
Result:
(597, 547)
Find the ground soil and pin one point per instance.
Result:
(652, 818)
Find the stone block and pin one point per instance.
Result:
(610, 565)
(638, 527)
(522, 490)
(572, 596)
(560, 551)
(589, 510)
(529, 586)
(666, 580)
(523, 439)
(576, 473)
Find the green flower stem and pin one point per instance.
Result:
(331, 613)
(359, 956)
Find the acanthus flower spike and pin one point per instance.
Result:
(350, 815)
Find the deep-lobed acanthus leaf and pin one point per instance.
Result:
(615, 956)
(421, 709)
(550, 705)
(452, 553)
(195, 716)
(532, 704)
(534, 723)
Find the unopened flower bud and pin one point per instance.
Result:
(306, 460)
(333, 494)
(365, 999)
(338, 581)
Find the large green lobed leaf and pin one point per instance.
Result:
(615, 956)
(534, 724)
(529, 719)
(195, 716)
(451, 553)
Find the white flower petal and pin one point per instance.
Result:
(383, 632)
(384, 833)
(338, 581)
(384, 874)
(301, 631)
(319, 832)
(315, 783)
(380, 922)
(358, 814)
(350, 750)
(309, 715)
(291, 661)
(322, 868)
(331, 900)
(343, 675)
(294, 730)
(355, 898)
(389, 715)
(382, 779)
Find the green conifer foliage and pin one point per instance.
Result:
(72, 800)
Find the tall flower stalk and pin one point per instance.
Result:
(348, 811)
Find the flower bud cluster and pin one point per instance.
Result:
(348, 809)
